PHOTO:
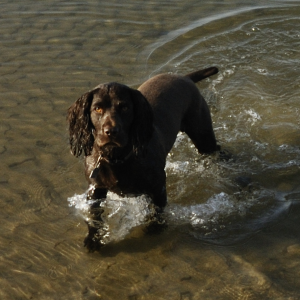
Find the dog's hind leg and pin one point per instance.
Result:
(197, 124)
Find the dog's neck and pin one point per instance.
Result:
(112, 160)
(111, 156)
(114, 155)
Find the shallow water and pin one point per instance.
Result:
(232, 225)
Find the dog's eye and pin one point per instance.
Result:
(99, 110)
(123, 107)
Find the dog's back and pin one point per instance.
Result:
(178, 106)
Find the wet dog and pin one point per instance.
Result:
(126, 135)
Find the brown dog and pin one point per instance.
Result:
(126, 135)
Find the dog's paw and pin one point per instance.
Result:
(157, 223)
(93, 239)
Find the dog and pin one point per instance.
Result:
(126, 134)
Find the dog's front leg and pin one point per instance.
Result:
(95, 193)
(159, 197)
(95, 223)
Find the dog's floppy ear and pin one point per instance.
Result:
(142, 127)
(80, 125)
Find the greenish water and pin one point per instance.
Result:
(225, 240)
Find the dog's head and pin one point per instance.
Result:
(110, 116)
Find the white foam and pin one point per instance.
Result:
(221, 77)
(254, 116)
(80, 203)
(120, 216)
(177, 166)
(179, 139)
(219, 205)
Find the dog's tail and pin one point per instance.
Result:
(199, 75)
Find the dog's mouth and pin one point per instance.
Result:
(113, 146)
(111, 142)
(108, 147)
(114, 153)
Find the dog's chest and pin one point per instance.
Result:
(133, 178)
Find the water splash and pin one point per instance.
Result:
(215, 220)
(226, 219)
(120, 214)
(254, 116)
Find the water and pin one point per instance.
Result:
(232, 225)
(120, 215)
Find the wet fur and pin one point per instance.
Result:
(130, 139)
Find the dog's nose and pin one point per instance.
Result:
(111, 131)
